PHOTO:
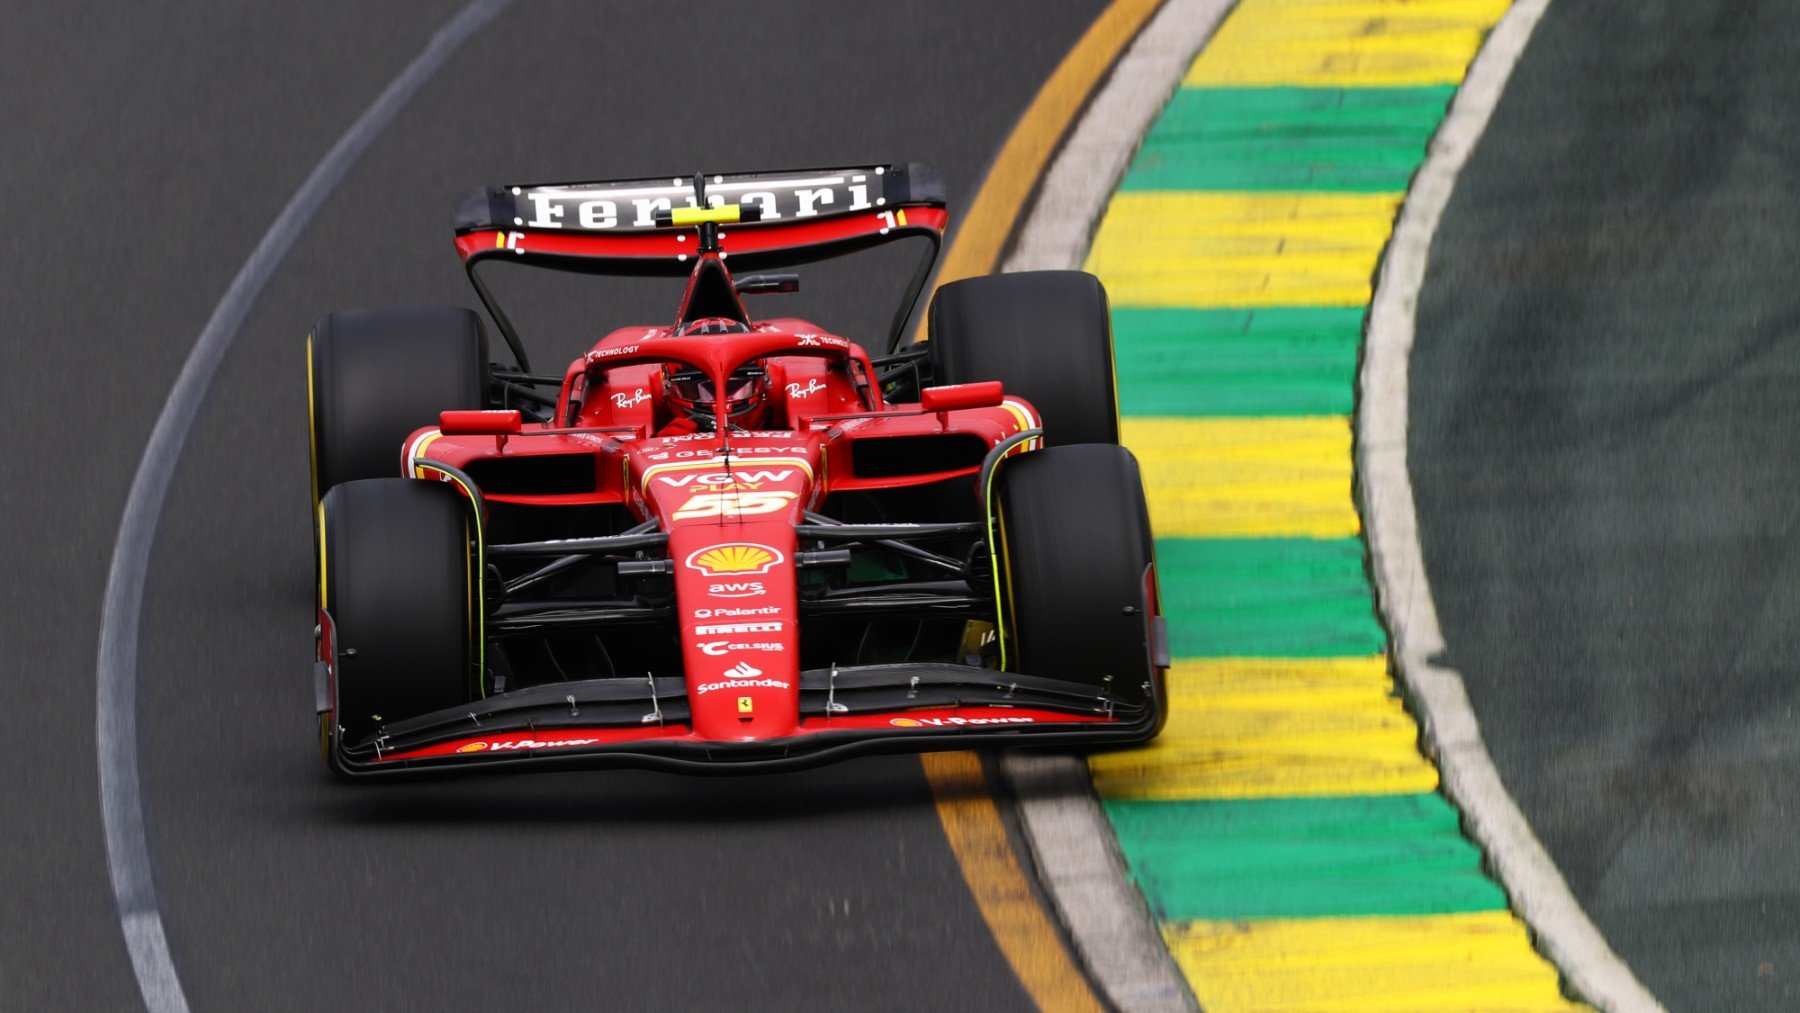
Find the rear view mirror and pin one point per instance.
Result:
(498, 424)
(766, 284)
(480, 423)
(986, 394)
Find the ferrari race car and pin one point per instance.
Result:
(725, 543)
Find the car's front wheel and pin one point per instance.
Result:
(397, 584)
(1077, 580)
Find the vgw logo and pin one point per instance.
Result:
(733, 479)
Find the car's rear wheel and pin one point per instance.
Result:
(1077, 579)
(397, 583)
(1045, 335)
(374, 376)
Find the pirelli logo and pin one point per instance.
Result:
(725, 629)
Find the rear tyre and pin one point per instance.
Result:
(1045, 335)
(1075, 554)
(376, 375)
(397, 573)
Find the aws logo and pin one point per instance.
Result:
(737, 589)
(734, 558)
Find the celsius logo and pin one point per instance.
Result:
(720, 648)
(631, 400)
(736, 557)
(742, 670)
(813, 386)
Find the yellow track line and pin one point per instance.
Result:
(971, 821)
(1024, 932)
(988, 224)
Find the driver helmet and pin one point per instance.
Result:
(691, 392)
(713, 325)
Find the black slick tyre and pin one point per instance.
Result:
(375, 375)
(1045, 335)
(396, 580)
(1075, 560)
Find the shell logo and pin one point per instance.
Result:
(903, 722)
(734, 558)
(473, 747)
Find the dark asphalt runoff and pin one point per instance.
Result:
(1605, 402)
(147, 147)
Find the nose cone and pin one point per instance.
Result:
(736, 595)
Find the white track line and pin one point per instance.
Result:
(115, 694)
(1537, 889)
(1077, 854)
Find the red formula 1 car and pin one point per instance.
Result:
(723, 542)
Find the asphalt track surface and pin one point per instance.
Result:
(148, 146)
(1604, 399)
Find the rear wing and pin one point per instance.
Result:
(642, 226)
(614, 226)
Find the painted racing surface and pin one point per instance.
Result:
(1286, 829)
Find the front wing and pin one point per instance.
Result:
(845, 712)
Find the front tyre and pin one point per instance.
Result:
(397, 572)
(1077, 578)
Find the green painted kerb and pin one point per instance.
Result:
(1282, 361)
(1349, 140)
(1267, 598)
(1302, 857)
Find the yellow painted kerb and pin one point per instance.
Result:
(1222, 477)
(1481, 961)
(1274, 728)
(1209, 250)
(1338, 43)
